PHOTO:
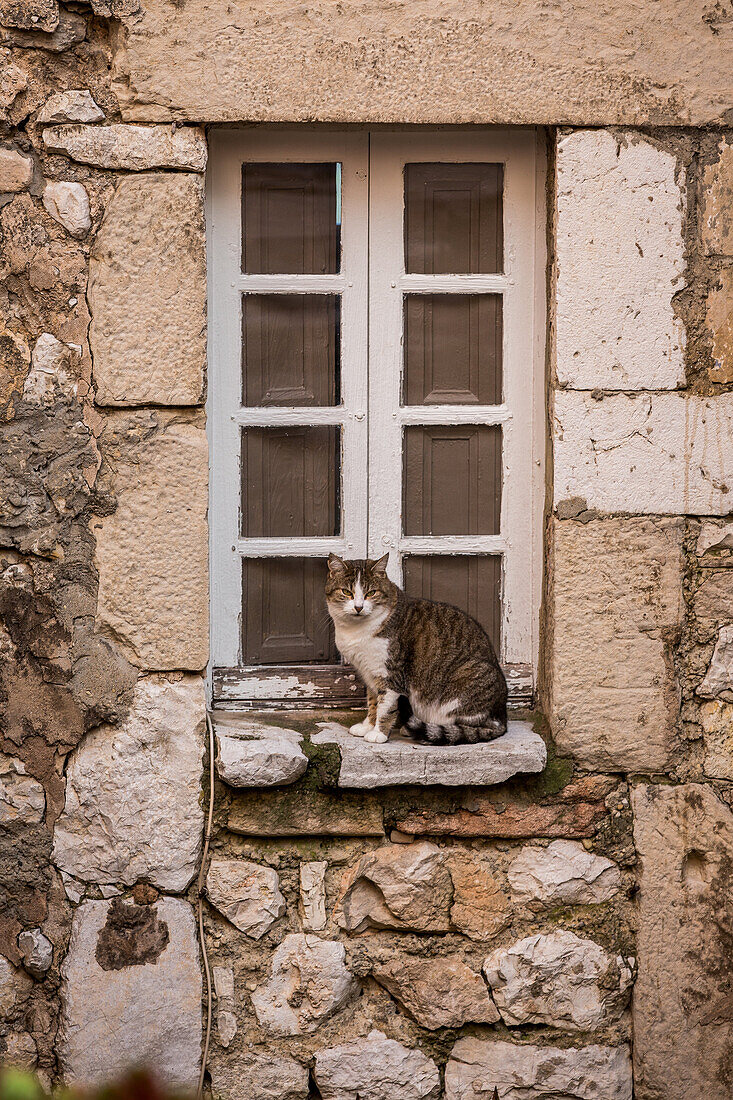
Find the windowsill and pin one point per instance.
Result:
(267, 751)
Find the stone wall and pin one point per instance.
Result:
(400, 942)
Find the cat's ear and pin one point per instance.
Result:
(336, 564)
(380, 565)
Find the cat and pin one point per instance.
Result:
(434, 655)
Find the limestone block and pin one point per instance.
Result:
(714, 536)
(404, 886)
(376, 1068)
(683, 1032)
(15, 986)
(617, 274)
(152, 552)
(557, 979)
(246, 893)
(617, 609)
(41, 15)
(147, 293)
(16, 171)
(440, 992)
(717, 203)
(477, 1066)
(564, 873)
(13, 81)
(22, 797)
(283, 811)
(70, 30)
(132, 791)
(712, 603)
(718, 680)
(76, 105)
(54, 371)
(68, 204)
(663, 453)
(401, 760)
(37, 952)
(480, 907)
(144, 1009)
(308, 983)
(716, 718)
(137, 148)
(263, 1076)
(226, 1021)
(20, 1051)
(252, 754)
(720, 325)
(313, 895)
(556, 64)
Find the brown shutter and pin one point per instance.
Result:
(289, 219)
(453, 218)
(453, 346)
(471, 583)
(290, 482)
(290, 349)
(285, 619)
(452, 480)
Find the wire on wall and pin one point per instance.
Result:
(200, 892)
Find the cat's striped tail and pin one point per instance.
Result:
(465, 732)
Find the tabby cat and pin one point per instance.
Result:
(436, 657)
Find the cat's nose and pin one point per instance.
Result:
(358, 608)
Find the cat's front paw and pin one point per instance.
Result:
(375, 737)
(361, 729)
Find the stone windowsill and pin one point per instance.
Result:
(252, 752)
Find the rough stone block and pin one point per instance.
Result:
(76, 105)
(663, 453)
(720, 324)
(285, 812)
(54, 371)
(713, 603)
(21, 796)
(132, 792)
(252, 754)
(558, 979)
(716, 718)
(152, 552)
(70, 30)
(715, 536)
(376, 1068)
(404, 886)
(137, 148)
(441, 992)
(246, 893)
(15, 985)
(718, 682)
(480, 908)
(617, 609)
(617, 273)
(68, 204)
(259, 1076)
(13, 81)
(576, 811)
(313, 895)
(564, 873)
(404, 761)
(477, 1066)
(683, 1032)
(147, 293)
(717, 203)
(309, 982)
(16, 171)
(140, 1008)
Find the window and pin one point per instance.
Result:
(376, 383)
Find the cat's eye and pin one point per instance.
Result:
(370, 592)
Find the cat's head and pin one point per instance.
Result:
(358, 589)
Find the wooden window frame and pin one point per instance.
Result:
(372, 282)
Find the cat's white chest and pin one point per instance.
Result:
(363, 648)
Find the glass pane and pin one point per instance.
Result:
(291, 482)
(291, 349)
(290, 219)
(452, 480)
(452, 349)
(471, 583)
(453, 218)
(284, 617)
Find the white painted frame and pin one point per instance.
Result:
(371, 284)
(229, 149)
(521, 414)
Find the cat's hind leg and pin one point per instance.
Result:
(361, 729)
